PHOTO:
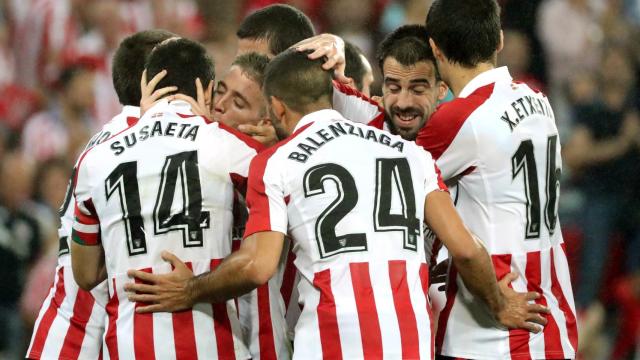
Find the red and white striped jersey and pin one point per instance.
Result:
(499, 137)
(269, 313)
(357, 243)
(165, 183)
(357, 107)
(70, 324)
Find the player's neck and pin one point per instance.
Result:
(460, 76)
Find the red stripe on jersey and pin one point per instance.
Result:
(265, 326)
(222, 325)
(378, 121)
(424, 280)
(367, 311)
(86, 219)
(288, 278)
(533, 273)
(248, 140)
(89, 239)
(518, 338)
(556, 290)
(143, 344)
(82, 309)
(327, 318)
(446, 122)
(404, 309)
(47, 319)
(441, 183)
(451, 292)
(257, 199)
(184, 332)
(111, 336)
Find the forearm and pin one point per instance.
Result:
(234, 277)
(601, 151)
(480, 278)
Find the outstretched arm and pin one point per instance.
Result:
(242, 271)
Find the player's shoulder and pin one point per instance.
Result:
(281, 149)
(449, 118)
(459, 109)
(235, 136)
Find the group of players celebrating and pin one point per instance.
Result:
(342, 193)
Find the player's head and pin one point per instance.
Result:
(411, 85)
(238, 96)
(185, 61)
(464, 33)
(128, 63)
(294, 86)
(358, 68)
(273, 29)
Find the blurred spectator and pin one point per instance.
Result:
(516, 55)
(352, 20)
(402, 12)
(603, 155)
(570, 34)
(19, 245)
(50, 185)
(65, 127)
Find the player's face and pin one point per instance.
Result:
(410, 95)
(238, 100)
(260, 46)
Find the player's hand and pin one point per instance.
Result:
(438, 274)
(202, 105)
(161, 292)
(264, 132)
(330, 46)
(149, 95)
(517, 312)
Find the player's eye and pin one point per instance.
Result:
(420, 89)
(239, 103)
(220, 91)
(393, 88)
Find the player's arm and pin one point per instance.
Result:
(584, 150)
(511, 309)
(88, 266)
(242, 271)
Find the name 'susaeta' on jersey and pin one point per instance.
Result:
(312, 143)
(184, 130)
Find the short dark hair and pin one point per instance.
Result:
(408, 44)
(185, 60)
(281, 25)
(355, 68)
(467, 31)
(128, 63)
(253, 65)
(297, 80)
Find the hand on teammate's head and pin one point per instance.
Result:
(331, 47)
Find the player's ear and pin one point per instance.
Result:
(443, 89)
(501, 43)
(436, 50)
(278, 107)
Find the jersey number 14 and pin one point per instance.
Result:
(179, 173)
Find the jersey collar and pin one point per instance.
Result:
(486, 78)
(325, 114)
(131, 111)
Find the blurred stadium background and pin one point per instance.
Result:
(55, 92)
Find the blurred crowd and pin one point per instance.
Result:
(55, 92)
